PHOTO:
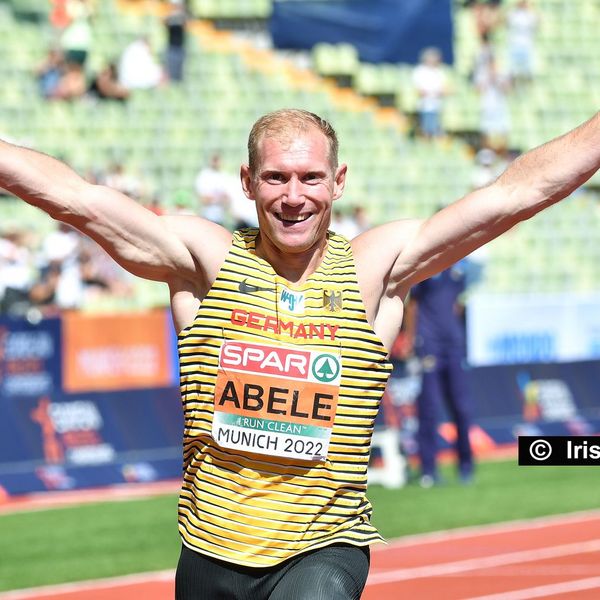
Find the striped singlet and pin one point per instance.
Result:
(280, 386)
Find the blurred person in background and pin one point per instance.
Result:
(138, 67)
(435, 332)
(16, 271)
(213, 188)
(286, 517)
(175, 24)
(345, 223)
(241, 212)
(101, 277)
(494, 123)
(72, 83)
(487, 166)
(431, 84)
(59, 285)
(105, 85)
(485, 55)
(50, 72)
(522, 23)
(59, 16)
(487, 15)
(76, 38)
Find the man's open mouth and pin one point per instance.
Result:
(292, 218)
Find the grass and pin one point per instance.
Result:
(115, 538)
(502, 491)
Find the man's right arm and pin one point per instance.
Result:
(143, 243)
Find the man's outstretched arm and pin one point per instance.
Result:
(143, 243)
(534, 181)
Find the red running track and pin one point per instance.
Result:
(555, 557)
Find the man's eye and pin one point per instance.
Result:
(276, 177)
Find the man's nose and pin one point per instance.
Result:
(294, 192)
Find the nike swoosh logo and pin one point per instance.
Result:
(248, 288)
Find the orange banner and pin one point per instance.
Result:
(115, 352)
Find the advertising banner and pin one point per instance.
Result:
(88, 401)
(524, 328)
(61, 442)
(507, 401)
(116, 352)
(30, 357)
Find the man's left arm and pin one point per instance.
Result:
(531, 183)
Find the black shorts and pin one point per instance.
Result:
(336, 572)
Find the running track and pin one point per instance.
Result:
(554, 557)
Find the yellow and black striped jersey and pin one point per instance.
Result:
(280, 386)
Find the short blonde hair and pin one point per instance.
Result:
(285, 124)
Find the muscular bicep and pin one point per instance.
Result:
(145, 244)
(454, 232)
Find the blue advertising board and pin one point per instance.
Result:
(508, 401)
(51, 439)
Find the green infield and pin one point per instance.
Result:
(116, 538)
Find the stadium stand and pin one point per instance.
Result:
(164, 135)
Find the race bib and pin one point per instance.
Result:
(276, 400)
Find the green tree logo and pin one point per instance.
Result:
(326, 367)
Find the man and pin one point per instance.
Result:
(283, 342)
(436, 333)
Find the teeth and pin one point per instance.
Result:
(294, 218)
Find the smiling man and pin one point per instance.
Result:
(284, 333)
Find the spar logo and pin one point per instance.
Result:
(326, 368)
(265, 360)
(280, 361)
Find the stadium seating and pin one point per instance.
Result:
(167, 134)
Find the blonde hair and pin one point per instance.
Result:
(285, 124)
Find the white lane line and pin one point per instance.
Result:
(434, 537)
(91, 584)
(543, 591)
(498, 560)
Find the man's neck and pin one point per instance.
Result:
(294, 267)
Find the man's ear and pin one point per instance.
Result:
(247, 182)
(340, 181)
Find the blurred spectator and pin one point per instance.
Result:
(487, 15)
(212, 187)
(241, 210)
(138, 67)
(76, 39)
(105, 85)
(175, 24)
(59, 15)
(493, 88)
(431, 85)
(435, 331)
(43, 292)
(50, 72)
(72, 83)
(16, 272)
(485, 55)
(100, 275)
(487, 168)
(522, 24)
(361, 218)
(60, 285)
(344, 223)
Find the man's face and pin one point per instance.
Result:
(294, 187)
